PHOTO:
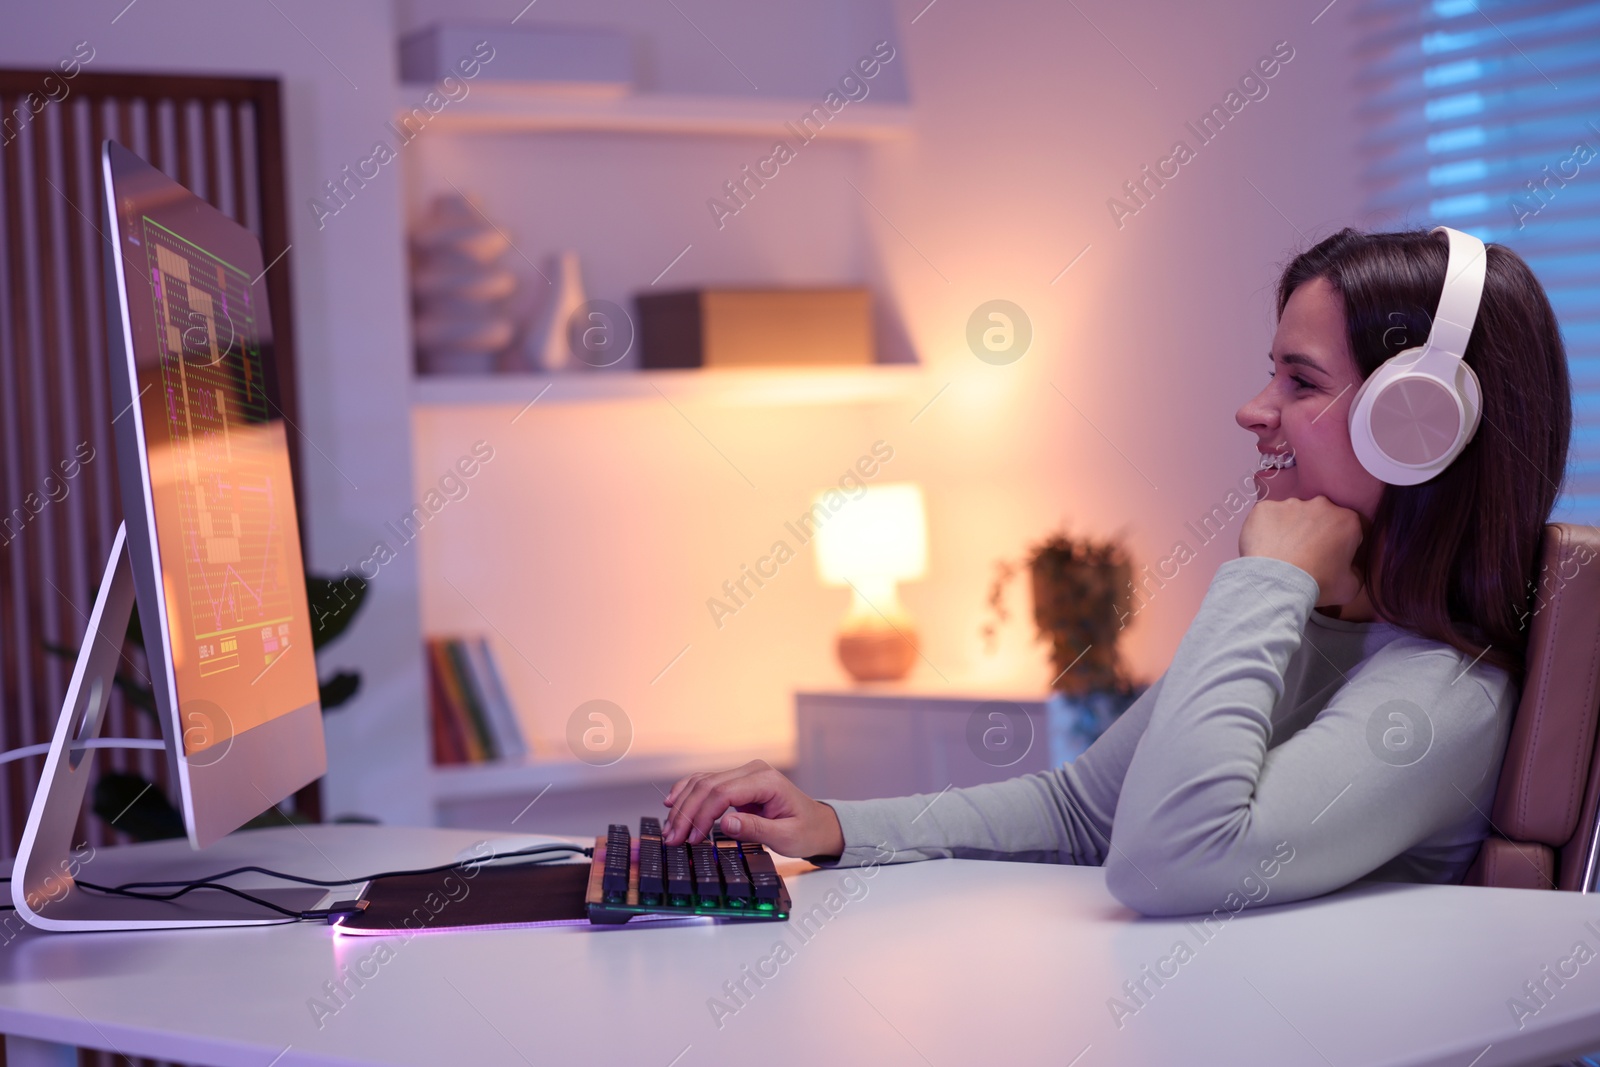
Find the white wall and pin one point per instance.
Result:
(595, 538)
(598, 532)
(338, 70)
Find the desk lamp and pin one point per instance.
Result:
(870, 542)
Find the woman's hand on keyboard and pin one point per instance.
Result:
(768, 809)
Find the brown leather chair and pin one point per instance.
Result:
(1544, 817)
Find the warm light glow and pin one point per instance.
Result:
(874, 539)
(870, 541)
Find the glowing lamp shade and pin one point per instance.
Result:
(869, 543)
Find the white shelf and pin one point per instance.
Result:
(507, 107)
(473, 781)
(767, 386)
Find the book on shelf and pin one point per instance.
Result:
(472, 720)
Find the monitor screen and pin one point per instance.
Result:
(208, 498)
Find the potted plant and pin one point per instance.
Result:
(140, 808)
(1082, 590)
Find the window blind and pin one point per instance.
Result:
(1484, 115)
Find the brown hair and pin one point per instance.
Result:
(1455, 558)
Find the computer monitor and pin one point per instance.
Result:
(209, 549)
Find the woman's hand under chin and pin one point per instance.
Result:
(1316, 535)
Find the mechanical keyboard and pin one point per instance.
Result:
(718, 876)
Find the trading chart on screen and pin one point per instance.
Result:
(232, 600)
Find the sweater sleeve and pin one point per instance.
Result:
(1209, 811)
(1056, 816)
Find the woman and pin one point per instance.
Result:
(1340, 706)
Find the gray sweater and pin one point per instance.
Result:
(1282, 755)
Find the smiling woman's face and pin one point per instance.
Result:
(1305, 408)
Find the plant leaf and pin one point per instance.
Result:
(333, 603)
(134, 691)
(138, 694)
(136, 807)
(338, 689)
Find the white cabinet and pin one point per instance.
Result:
(855, 744)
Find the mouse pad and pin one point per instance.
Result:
(529, 894)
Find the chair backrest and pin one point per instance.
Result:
(1545, 809)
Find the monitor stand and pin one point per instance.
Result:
(43, 885)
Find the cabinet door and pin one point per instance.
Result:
(856, 751)
(970, 743)
(859, 749)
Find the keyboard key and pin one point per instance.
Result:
(764, 878)
(734, 877)
(651, 865)
(680, 882)
(618, 846)
(718, 876)
(707, 881)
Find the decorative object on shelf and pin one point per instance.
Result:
(1081, 593)
(755, 328)
(870, 542)
(594, 63)
(460, 288)
(547, 344)
(472, 717)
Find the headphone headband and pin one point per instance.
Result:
(1463, 289)
(1414, 414)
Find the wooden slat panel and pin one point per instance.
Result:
(88, 388)
(274, 248)
(24, 549)
(59, 613)
(14, 618)
(205, 153)
(185, 157)
(90, 84)
(126, 133)
(221, 136)
(237, 135)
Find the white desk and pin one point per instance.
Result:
(944, 963)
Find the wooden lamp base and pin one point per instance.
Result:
(878, 654)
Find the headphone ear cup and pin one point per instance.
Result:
(1363, 432)
(1417, 421)
(1416, 412)
(1471, 394)
(1406, 428)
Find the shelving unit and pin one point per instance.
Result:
(781, 386)
(494, 114)
(504, 107)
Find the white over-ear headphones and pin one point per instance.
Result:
(1413, 415)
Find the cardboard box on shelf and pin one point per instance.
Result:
(755, 328)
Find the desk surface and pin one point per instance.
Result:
(943, 963)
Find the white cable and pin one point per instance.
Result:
(99, 742)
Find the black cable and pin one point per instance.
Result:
(188, 888)
(532, 850)
(131, 889)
